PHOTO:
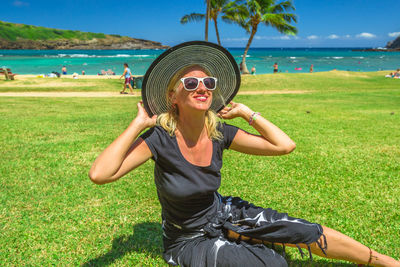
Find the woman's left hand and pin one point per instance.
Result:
(235, 110)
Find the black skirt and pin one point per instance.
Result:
(209, 246)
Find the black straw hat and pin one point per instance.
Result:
(212, 57)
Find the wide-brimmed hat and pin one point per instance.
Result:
(212, 57)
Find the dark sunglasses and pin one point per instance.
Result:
(191, 83)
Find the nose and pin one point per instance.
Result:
(201, 87)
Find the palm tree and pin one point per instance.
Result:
(207, 18)
(250, 13)
(216, 7)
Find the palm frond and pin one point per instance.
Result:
(283, 6)
(194, 17)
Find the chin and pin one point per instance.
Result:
(203, 107)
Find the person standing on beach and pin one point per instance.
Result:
(253, 70)
(312, 68)
(64, 70)
(128, 76)
(275, 67)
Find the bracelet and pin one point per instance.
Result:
(253, 117)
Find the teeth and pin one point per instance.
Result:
(201, 97)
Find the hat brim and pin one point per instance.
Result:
(212, 57)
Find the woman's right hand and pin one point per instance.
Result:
(143, 117)
(126, 153)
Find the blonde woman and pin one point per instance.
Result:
(186, 87)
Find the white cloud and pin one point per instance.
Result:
(394, 34)
(236, 39)
(260, 37)
(20, 3)
(312, 37)
(366, 35)
(285, 37)
(347, 36)
(333, 36)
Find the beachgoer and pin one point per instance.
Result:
(275, 67)
(128, 76)
(64, 70)
(83, 72)
(396, 75)
(312, 68)
(253, 70)
(390, 75)
(183, 90)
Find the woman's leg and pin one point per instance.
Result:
(343, 247)
(123, 90)
(339, 246)
(130, 88)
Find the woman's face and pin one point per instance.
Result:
(199, 99)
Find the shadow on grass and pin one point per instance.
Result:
(146, 238)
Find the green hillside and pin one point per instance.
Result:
(13, 32)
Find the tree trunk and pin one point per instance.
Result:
(216, 30)
(243, 63)
(207, 19)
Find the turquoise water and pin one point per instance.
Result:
(289, 60)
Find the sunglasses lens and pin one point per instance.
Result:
(190, 83)
(209, 83)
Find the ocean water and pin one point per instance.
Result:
(290, 60)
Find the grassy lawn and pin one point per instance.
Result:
(35, 84)
(344, 173)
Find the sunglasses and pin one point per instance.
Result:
(191, 83)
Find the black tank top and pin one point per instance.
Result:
(186, 192)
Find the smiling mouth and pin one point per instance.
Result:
(201, 98)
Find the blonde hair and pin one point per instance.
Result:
(169, 120)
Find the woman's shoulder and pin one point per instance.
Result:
(155, 130)
(223, 127)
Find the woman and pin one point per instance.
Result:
(185, 87)
(128, 76)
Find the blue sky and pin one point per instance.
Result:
(323, 23)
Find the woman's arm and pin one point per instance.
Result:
(125, 153)
(123, 74)
(271, 141)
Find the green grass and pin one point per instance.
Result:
(60, 85)
(344, 173)
(13, 31)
